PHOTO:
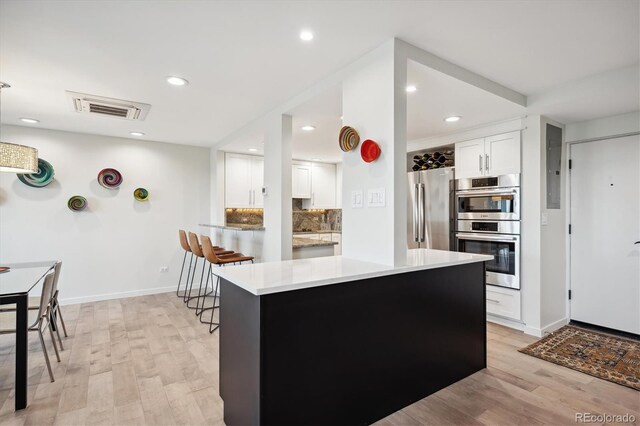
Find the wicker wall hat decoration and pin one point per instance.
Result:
(348, 139)
(77, 203)
(109, 178)
(39, 179)
(141, 194)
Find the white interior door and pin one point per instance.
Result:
(605, 222)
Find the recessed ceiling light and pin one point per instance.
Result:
(411, 89)
(29, 120)
(316, 159)
(136, 133)
(341, 117)
(306, 35)
(308, 128)
(252, 150)
(452, 119)
(177, 81)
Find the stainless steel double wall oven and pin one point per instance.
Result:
(488, 222)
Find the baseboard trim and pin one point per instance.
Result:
(505, 322)
(550, 328)
(109, 296)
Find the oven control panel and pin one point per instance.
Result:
(484, 182)
(485, 226)
(490, 226)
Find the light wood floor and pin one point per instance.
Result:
(147, 360)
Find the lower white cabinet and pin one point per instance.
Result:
(337, 249)
(503, 302)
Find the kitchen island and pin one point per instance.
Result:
(332, 340)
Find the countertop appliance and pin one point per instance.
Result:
(500, 239)
(430, 200)
(495, 197)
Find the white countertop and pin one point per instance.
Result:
(287, 275)
(235, 227)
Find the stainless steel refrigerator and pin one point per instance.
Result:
(431, 209)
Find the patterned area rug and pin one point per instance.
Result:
(606, 356)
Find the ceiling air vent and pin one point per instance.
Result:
(108, 107)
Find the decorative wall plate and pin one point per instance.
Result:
(141, 194)
(77, 203)
(109, 178)
(39, 179)
(348, 139)
(369, 151)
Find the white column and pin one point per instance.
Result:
(277, 180)
(217, 186)
(374, 103)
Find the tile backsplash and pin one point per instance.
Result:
(303, 220)
(243, 217)
(315, 220)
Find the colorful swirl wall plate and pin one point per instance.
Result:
(369, 151)
(141, 194)
(39, 179)
(109, 178)
(348, 139)
(77, 203)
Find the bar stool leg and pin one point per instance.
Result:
(199, 289)
(186, 283)
(214, 290)
(213, 326)
(187, 293)
(184, 260)
(199, 309)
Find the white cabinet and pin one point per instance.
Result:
(490, 156)
(503, 302)
(244, 177)
(257, 181)
(469, 158)
(502, 154)
(301, 180)
(337, 249)
(323, 187)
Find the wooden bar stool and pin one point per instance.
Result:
(215, 258)
(196, 249)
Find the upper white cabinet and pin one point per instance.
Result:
(490, 156)
(244, 177)
(469, 158)
(301, 180)
(502, 154)
(323, 187)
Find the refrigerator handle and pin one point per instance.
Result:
(421, 224)
(415, 212)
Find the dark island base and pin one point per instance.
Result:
(349, 353)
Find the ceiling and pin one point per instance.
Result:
(243, 58)
(437, 96)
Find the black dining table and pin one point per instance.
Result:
(15, 286)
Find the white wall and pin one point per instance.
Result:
(601, 127)
(117, 245)
(374, 103)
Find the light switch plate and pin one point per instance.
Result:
(376, 197)
(357, 199)
(544, 219)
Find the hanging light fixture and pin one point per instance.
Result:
(17, 158)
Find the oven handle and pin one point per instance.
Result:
(482, 192)
(487, 238)
(415, 212)
(421, 222)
